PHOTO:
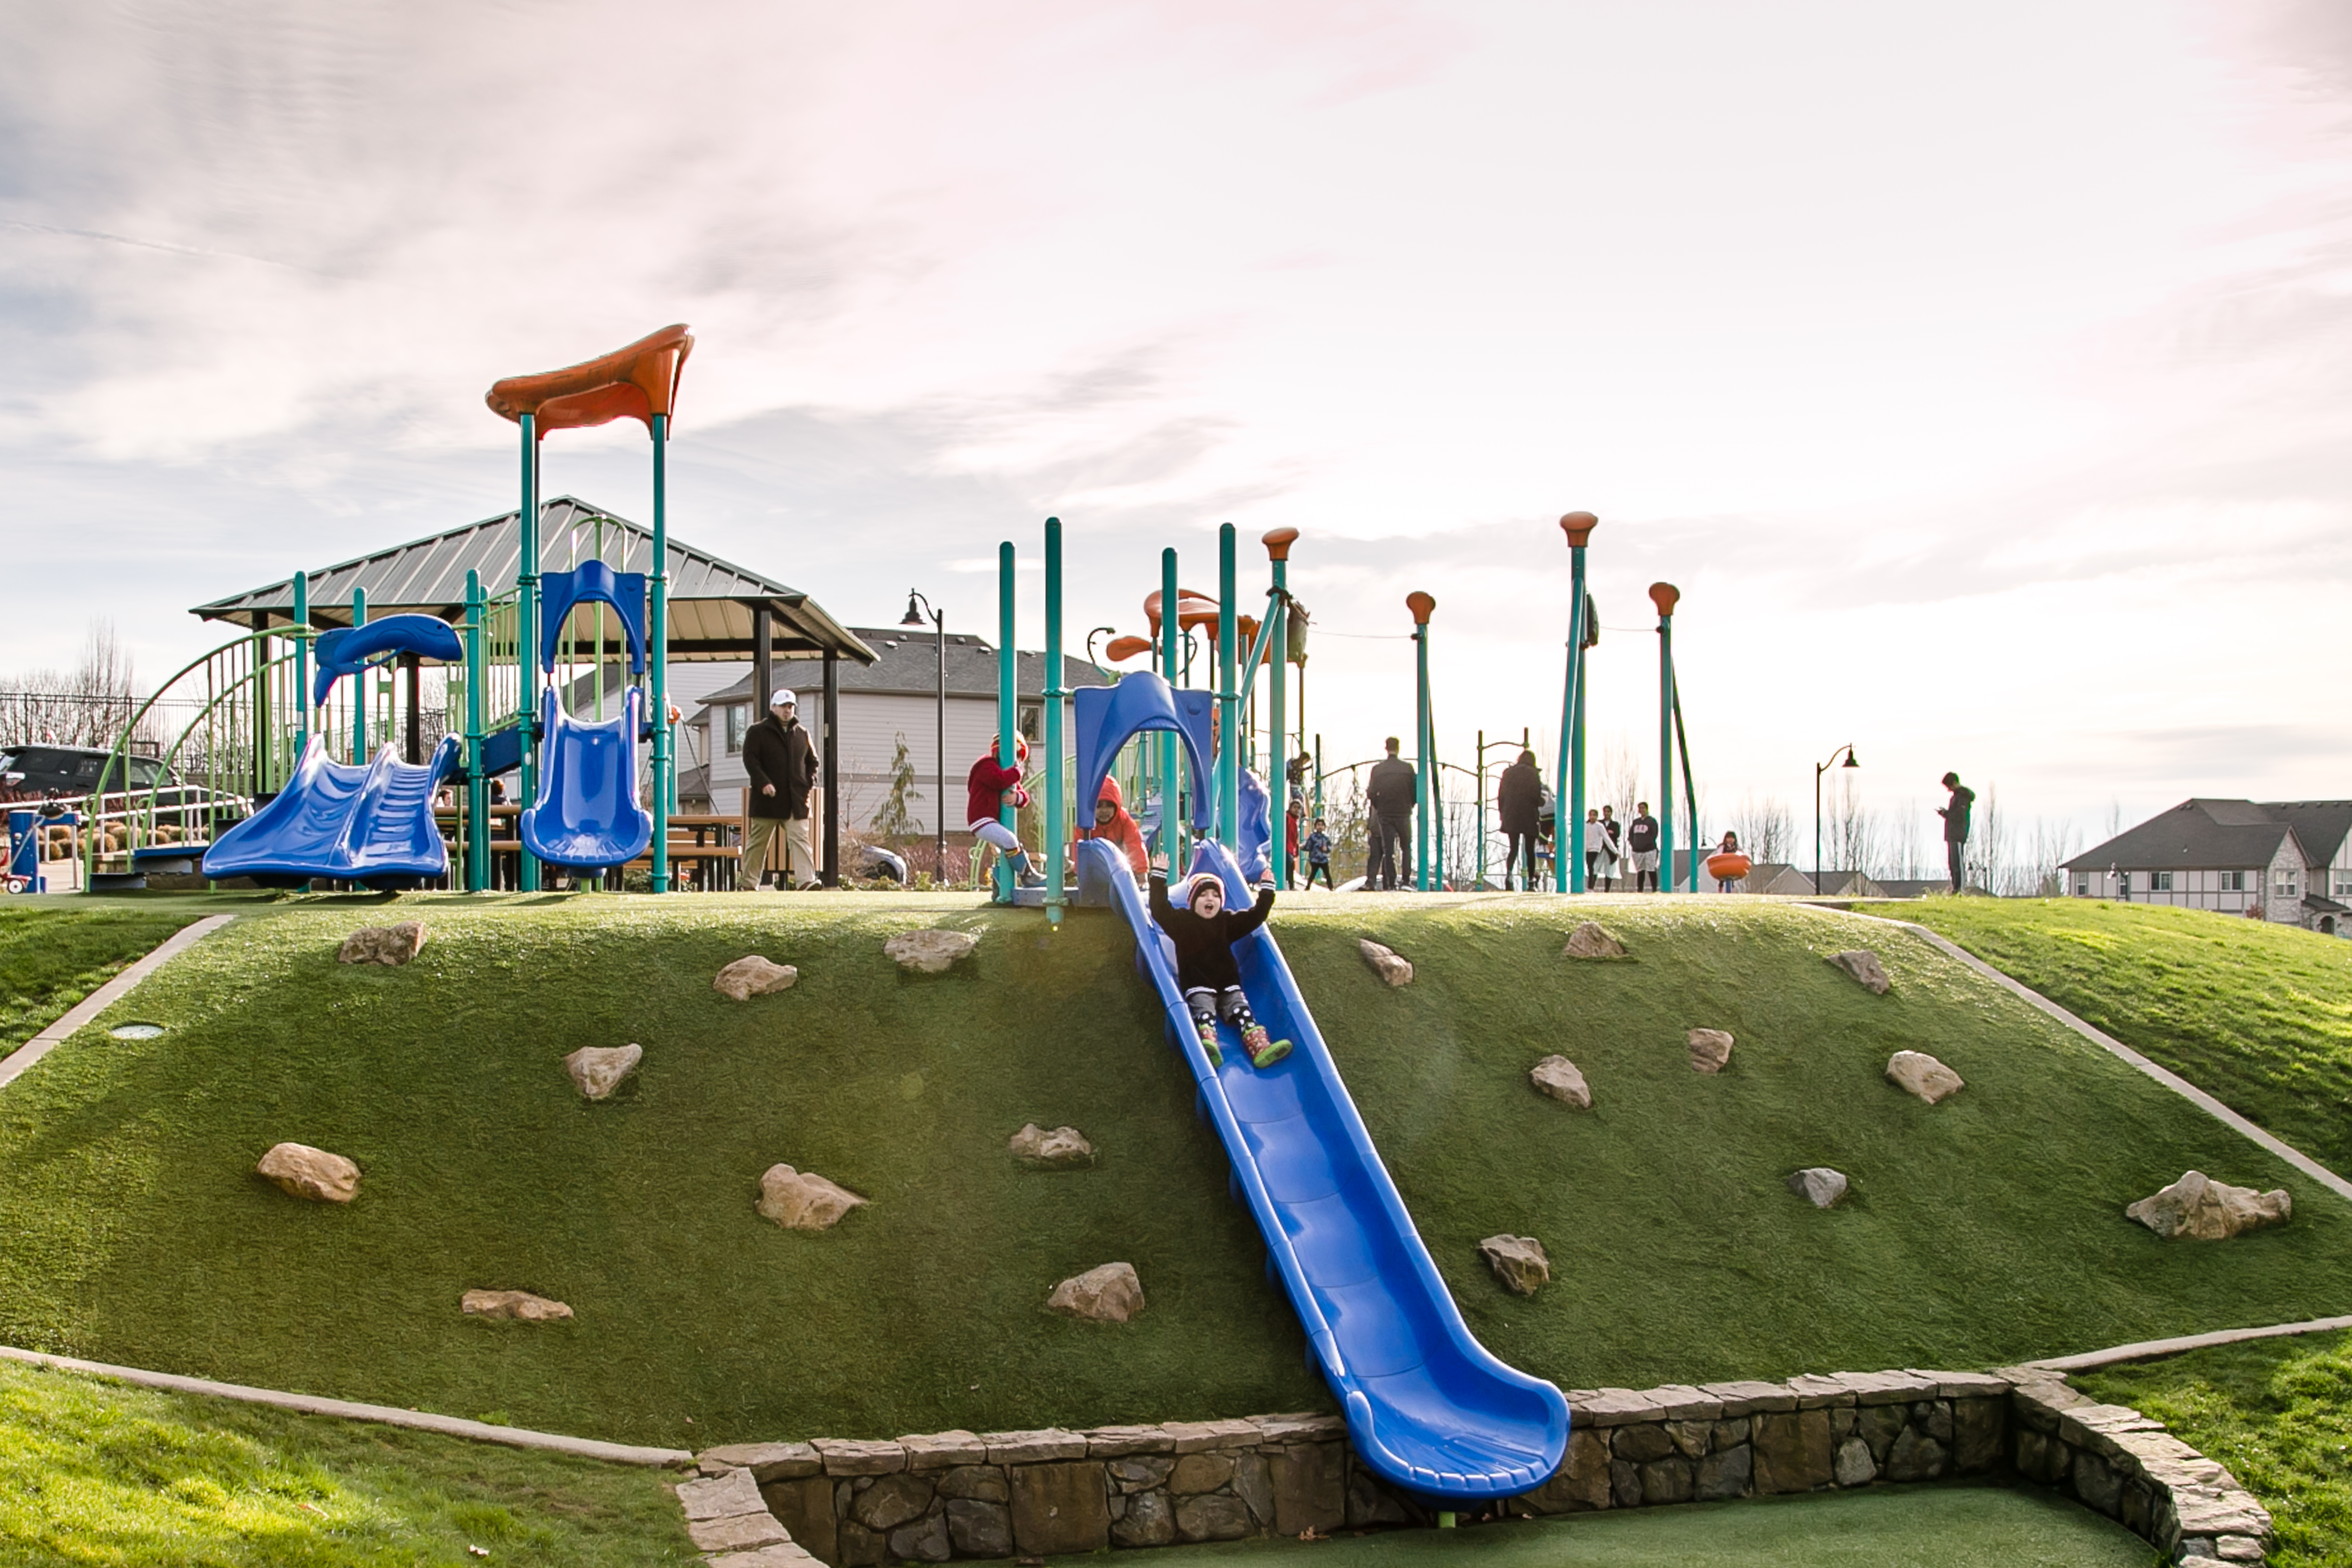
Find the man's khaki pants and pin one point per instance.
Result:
(800, 858)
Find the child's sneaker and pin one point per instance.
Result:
(1209, 1044)
(1263, 1053)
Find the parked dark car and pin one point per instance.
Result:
(65, 773)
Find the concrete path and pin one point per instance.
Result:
(105, 996)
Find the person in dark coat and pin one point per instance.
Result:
(1203, 932)
(1518, 802)
(1641, 844)
(1393, 791)
(1956, 827)
(781, 761)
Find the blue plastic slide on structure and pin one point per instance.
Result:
(1427, 1406)
(369, 824)
(588, 817)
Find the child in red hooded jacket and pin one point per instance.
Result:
(991, 783)
(1113, 823)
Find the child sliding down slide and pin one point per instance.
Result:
(1204, 932)
(990, 782)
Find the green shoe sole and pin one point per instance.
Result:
(1271, 1055)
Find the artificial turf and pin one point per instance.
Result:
(2278, 1413)
(1884, 1527)
(2258, 1015)
(1986, 1229)
(98, 1475)
(53, 954)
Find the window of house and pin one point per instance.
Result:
(2342, 884)
(738, 713)
(2282, 885)
(2234, 881)
(2082, 884)
(2163, 882)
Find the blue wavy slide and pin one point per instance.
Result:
(369, 824)
(1427, 1406)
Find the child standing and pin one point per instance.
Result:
(1319, 857)
(990, 783)
(1204, 932)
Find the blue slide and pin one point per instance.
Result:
(588, 817)
(1428, 1407)
(369, 824)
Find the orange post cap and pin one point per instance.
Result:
(1277, 543)
(1422, 606)
(1579, 527)
(1665, 595)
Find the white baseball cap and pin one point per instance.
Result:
(781, 698)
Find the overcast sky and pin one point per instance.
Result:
(1978, 373)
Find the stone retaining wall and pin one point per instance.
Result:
(857, 1504)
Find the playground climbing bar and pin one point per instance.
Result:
(1568, 819)
(1665, 595)
(1424, 751)
(1277, 543)
(1229, 702)
(1055, 819)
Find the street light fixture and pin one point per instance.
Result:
(1818, 769)
(940, 801)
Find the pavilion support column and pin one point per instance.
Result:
(831, 766)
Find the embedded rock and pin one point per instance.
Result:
(1518, 1261)
(599, 1069)
(1819, 1185)
(1392, 968)
(515, 1306)
(1108, 1294)
(1916, 1072)
(1559, 1078)
(753, 976)
(803, 1200)
(390, 945)
(1590, 940)
(1710, 1049)
(2198, 1208)
(1062, 1148)
(930, 951)
(311, 1174)
(1863, 965)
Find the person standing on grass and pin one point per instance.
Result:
(1641, 844)
(1394, 790)
(1956, 827)
(1600, 856)
(782, 763)
(1518, 806)
(1616, 832)
(1319, 857)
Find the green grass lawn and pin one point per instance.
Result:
(1885, 1527)
(2279, 1413)
(98, 1475)
(53, 953)
(1983, 1230)
(2258, 1015)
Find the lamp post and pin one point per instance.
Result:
(939, 803)
(1818, 769)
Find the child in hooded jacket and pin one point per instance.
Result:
(1203, 932)
(1113, 823)
(990, 783)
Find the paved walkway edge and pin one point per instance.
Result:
(105, 996)
(311, 1404)
(2148, 1350)
(2169, 1080)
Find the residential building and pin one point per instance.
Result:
(2285, 861)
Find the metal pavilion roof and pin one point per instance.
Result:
(710, 600)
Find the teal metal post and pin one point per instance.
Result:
(1664, 595)
(527, 634)
(1229, 702)
(359, 688)
(477, 787)
(1422, 604)
(1171, 637)
(1055, 815)
(302, 665)
(1480, 885)
(1568, 824)
(657, 657)
(1277, 544)
(1008, 711)
(1690, 783)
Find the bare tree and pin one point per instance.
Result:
(1850, 830)
(1765, 829)
(84, 705)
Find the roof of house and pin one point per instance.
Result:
(907, 664)
(2196, 835)
(710, 600)
(2319, 825)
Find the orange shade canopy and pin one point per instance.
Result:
(1193, 609)
(1119, 649)
(633, 383)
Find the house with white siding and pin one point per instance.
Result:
(895, 697)
(2285, 861)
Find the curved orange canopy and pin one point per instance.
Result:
(633, 383)
(1193, 609)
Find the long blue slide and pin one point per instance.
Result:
(1428, 1407)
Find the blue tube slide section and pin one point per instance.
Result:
(369, 824)
(1427, 1406)
(588, 815)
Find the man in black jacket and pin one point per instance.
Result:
(1641, 844)
(782, 761)
(1392, 792)
(1956, 827)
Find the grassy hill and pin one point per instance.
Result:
(2258, 1015)
(1985, 1229)
(54, 954)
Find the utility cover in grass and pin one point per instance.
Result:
(391, 946)
(2198, 1208)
